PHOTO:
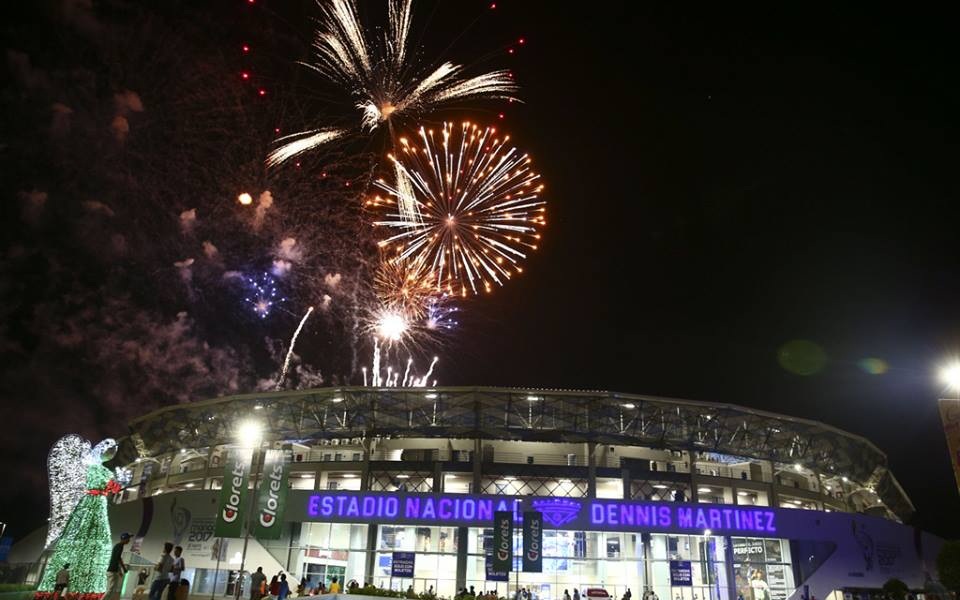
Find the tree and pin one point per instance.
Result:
(895, 589)
(948, 565)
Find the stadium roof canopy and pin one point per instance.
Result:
(524, 414)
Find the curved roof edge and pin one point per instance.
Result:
(510, 390)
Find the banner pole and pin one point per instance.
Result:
(216, 573)
(246, 538)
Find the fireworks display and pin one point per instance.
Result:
(293, 343)
(383, 83)
(477, 208)
(440, 314)
(262, 294)
(392, 378)
(404, 287)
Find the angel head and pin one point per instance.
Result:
(102, 452)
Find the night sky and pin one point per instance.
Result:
(720, 184)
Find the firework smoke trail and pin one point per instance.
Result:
(383, 83)
(375, 373)
(478, 203)
(392, 378)
(422, 382)
(293, 342)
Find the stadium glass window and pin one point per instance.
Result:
(356, 457)
(762, 568)
(333, 485)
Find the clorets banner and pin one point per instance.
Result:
(272, 497)
(236, 474)
(532, 542)
(502, 541)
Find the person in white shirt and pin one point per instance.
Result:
(163, 573)
(176, 571)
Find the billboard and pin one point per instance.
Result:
(502, 541)
(532, 542)
(272, 496)
(236, 475)
(950, 414)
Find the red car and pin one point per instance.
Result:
(597, 593)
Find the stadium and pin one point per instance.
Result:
(692, 500)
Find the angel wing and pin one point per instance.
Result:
(67, 474)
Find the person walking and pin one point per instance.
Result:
(283, 588)
(177, 568)
(62, 581)
(566, 594)
(275, 585)
(334, 586)
(162, 569)
(257, 580)
(576, 594)
(116, 568)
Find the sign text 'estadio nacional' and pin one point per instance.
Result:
(557, 513)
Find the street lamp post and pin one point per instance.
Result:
(250, 433)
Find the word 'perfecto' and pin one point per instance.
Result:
(457, 509)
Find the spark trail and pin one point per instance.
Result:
(293, 341)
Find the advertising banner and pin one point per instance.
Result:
(532, 542)
(402, 564)
(236, 474)
(492, 574)
(502, 541)
(272, 496)
(681, 574)
(950, 413)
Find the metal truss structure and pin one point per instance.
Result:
(524, 415)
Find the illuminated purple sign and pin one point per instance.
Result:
(559, 513)
(682, 517)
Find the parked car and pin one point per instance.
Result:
(596, 593)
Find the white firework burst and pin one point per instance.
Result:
(381, 79)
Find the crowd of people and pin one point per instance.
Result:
(168, 574)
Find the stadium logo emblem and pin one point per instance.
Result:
(557, 511)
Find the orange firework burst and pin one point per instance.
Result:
(465, 205)
(404, 287)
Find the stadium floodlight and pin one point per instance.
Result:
(249, 433)
(950, 376)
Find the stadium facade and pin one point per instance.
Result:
(693, 500)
